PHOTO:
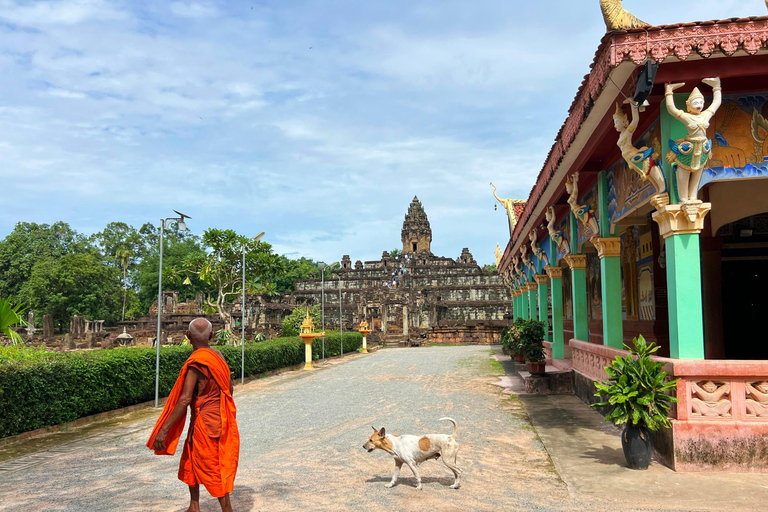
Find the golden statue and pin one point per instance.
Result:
(692, 153)
(557, 236)
(617, 18)
(583, 212)
(641, 160)
(498, 255)
(509, 205)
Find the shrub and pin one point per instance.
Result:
(636, 389)
(292, 323)
(40, 388)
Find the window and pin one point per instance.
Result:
(415, 245)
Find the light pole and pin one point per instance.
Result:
(322, 266)
(341, 324)
(242, 317)
(182, 226)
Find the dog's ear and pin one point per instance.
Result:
(382, 432)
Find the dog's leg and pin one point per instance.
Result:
(416, 474)
(398, 465)
(453, 467)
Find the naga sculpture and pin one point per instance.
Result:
(509, 205)
(536, 248)
(616, 17)
(557, 236)
(692, 153)
(583, 212)
(641, 160)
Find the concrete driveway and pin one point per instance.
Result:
(302, 436)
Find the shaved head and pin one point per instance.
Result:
(199, 330)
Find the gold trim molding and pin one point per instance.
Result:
(554, 272)
(607, 247)
(682, 219)
(576, 261)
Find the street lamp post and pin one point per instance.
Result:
(341, 324)
(242, 317)
(182, 226)
(321, 266)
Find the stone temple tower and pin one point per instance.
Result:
(416, 234)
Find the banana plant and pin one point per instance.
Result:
(10, 315)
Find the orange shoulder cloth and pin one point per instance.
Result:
(230, 437)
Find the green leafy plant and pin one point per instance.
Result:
(223, 337)
(260, 337)
(11, 314)
(292, 322)
(637, 389)
(531, 336)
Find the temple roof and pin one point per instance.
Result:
(681, 41)
(416, 218)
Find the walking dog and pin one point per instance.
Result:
(413, 450)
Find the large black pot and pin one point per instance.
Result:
(638, 446)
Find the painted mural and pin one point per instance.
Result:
(645, 289)
(594, 290)
(626, 190)
(567, 294)
(739, 133)
(562, 226)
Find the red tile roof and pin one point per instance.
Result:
(636, 45)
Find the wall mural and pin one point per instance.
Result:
(739, 133)
(563, 227)
(594, 291)
(626, 190)
(567, 294)
(645, 290)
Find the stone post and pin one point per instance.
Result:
(609, 252)
(405, 321)
(558, 337)
(578, 265)
(541, 282)
(47, 327)
(532, 300)
(679, 226)
(31, 323)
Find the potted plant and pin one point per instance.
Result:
(532, 334)
(516, 343)
(637, 390)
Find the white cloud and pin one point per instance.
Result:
(193, 10)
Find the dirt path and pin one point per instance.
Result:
(302, 436)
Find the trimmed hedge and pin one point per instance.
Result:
(39, 388)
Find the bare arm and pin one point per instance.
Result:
(635, 118)
(717, 94)
(669, 90)
(187, 393)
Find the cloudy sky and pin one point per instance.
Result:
(315, 121)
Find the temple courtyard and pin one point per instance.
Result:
(302, 435)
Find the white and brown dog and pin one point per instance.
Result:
(413, 450)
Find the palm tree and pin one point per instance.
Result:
(123, 255)
(10, 314)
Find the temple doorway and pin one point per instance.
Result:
(744, 259)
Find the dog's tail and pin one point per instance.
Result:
(455, 426)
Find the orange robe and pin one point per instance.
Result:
(207, 460)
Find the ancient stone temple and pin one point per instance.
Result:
(413, 296)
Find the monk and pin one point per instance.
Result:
(212, 447)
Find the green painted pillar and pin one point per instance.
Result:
(532, 301)
(543, 293)
(686, 326)
(524, 301)
(516, 304)
(556, 284)
(578, 264)
(609, 251)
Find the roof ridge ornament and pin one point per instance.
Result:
(617, 18)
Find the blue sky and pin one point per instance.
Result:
(314, 121)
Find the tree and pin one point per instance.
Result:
(123, 256)
(221, 269)
(10, 315)
(75, 284)
(118, 237)
(29, 243)
(491, 269)
(394, 253)
(295, 270)
(292, 322)
(178, 248)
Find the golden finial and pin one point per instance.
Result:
(617, 18)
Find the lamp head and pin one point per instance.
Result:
(181, 225)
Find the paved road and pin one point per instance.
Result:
(302, 436)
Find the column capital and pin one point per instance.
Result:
(532, 287)
(576, 261)
(682, 219)
(607, 247)
(540, 279)
(554, 272)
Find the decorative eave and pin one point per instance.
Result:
(680, 41)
